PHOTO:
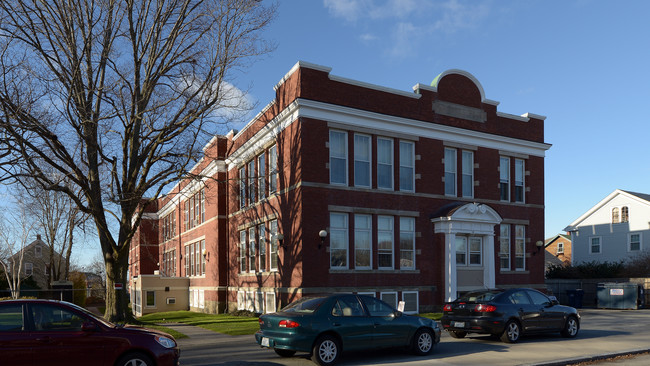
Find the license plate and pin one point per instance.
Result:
(265, 342)
(459, 325)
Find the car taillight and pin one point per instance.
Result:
(288, 324)
(261, 321)
(447, 307)
(485, 308)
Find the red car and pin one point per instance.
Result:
(48, 332)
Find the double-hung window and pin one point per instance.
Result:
(504, 178)
(261, 177)
(338, 240)
(384, 163)
(252, 252)
(273, 169)
(406, 166)
(407, 243)
(362, 153)
(261, 234)
(594, 245)
(338, 145)
(242, 251)
(467, 179)
(504, 247)
(450, 172)
(273, 250)
(251, 182)
(634, 242)
(362, 241)
(385, 239)
(520, 248)
(519, 180)
(242, 187)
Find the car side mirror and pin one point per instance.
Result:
(553, 300)
(396, 314)
(88, 327)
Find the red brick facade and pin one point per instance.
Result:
(422, 195)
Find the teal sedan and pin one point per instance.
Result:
(326, 326)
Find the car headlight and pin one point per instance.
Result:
(165, 342)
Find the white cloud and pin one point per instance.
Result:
(457, 16)
(349, 10)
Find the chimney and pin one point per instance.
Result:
(38, 237)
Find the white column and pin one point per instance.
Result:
(489, 267)
(451, 283)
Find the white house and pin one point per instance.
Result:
(615, 229)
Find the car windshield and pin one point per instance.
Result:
(92, 315)
(479, 296)
(304, 305)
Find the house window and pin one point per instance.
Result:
(261, 232)
(38, 251)
(385, 238)
(389, 298)
(475, 251)
(594, 245)
(261, 176)
(407, 243)
(362, 153)
(504, 247)
(338, 240)
(625, 214)
(187, 261)
(519, 180)
(202, 254)
(560, 248)
(520, 248)
(407, 166)
(450, 172)
(384, 163)
(242, 251)
(251, 182)
(273, 250)
(504, 178)
(29, 268)
(151, 299)
(634, 242)
(186, 212)
(467, 178)
(270, 302)
(469, 251)
(410, 299)
(251, 250)
(615, 216)
(362, 241)
(461, 250)
(273, 169)
(338, 157)
(242, 188)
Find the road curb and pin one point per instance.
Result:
(589, 358)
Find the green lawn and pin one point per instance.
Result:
(221, 323)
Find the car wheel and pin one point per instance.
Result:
(135, 359)
(511, 333)
(326, 350)
(422, 342)
(284, 352)
(571, 327)
(457, 333)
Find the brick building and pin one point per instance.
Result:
(343, 186)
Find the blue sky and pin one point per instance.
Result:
(583, 64)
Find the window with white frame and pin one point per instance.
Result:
(594, 245)
(273, 249)
(625, 214)
(504, 247)
(252, 253)
(385, 239)
(469, 251)
(362, 163)
(338, 145)
(29, 268)
(450, 171)
(560, 248)
(270, 302)
(389, 298)
(519, 180)
(504, 178)
(461, 250)
(38, 251)
(362, 241)
(407, 166)
(261, 234)
(259, 302)
(273, 169)
(201, 299)
(242, 251)
(634, 242)
(467, 178)
(242, 187)
(615, 216)
(407, 243)
(384, 163)
(338, 240)
(410, 299)
(241, 300)
(261, 177)
(520, 248)
(251, 182)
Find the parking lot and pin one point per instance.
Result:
(602, 332)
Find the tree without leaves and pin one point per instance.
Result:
(15, 232)
(119, 97)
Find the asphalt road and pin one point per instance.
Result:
(603, 332)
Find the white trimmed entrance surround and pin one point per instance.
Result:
(470, 220)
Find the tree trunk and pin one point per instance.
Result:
(117, 300)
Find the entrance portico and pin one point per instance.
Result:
(468, 230)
